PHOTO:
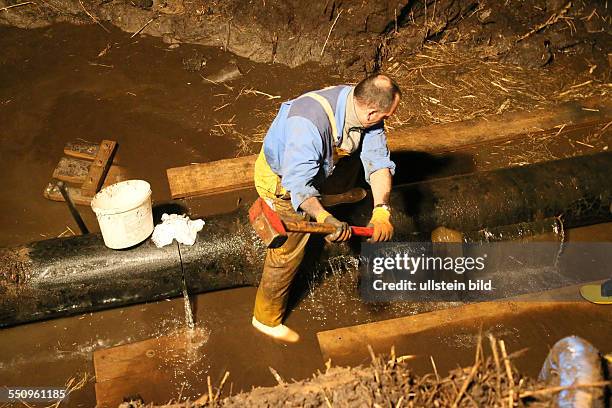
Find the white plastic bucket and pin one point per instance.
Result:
(124, 213)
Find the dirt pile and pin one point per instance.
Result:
(531, 34)
(456, 63)
(350, 36)
(491, 381)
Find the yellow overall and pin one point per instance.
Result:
(281, 264)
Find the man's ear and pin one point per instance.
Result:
(371, 112)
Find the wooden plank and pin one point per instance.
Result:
(339, 344)
(143, 368)
(52, 193)
(114, 175)
(151, 388)
(211, 178)
(99, 168)
(72, 170)
(82, 149)
(237, 174)
(139, 357)
(450, 136)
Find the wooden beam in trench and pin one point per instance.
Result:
(237, 174)
(144, 368)
(344, 343)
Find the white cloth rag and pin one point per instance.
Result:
(178, 227)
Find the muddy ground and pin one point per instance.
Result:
(388, 380)
(60, 82)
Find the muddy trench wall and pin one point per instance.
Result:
(349, 37)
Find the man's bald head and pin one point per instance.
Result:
(378, 92)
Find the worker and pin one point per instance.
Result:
(308, 137)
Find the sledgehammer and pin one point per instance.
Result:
(273, 231)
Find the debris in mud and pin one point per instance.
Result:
(450, 83)
(194, 63)
(491, 381)
(143, 4)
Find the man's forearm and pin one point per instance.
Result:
(381, 182)
(312, 206)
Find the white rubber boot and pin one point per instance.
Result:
(280, 332)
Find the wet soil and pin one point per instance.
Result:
(390, 381)
(57, 84)
(54, 89)
(354, 37)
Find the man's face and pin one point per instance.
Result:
(372, 116)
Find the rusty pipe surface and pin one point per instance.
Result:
(63, 276)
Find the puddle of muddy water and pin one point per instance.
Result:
(64, 83)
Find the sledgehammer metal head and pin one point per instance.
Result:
(267, 224)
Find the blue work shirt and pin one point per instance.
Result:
(298, 146)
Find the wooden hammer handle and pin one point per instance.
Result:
(323, 228)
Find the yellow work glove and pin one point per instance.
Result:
(343, 230)
(380, 221)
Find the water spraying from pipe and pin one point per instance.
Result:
(188, 312)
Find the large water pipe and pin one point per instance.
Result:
(578, 190)
(65, 276)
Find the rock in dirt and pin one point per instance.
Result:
(226, 74)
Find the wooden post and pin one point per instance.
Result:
(99, 168)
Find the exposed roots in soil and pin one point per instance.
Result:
(389, 382)
(539, 148)
(456, 76)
